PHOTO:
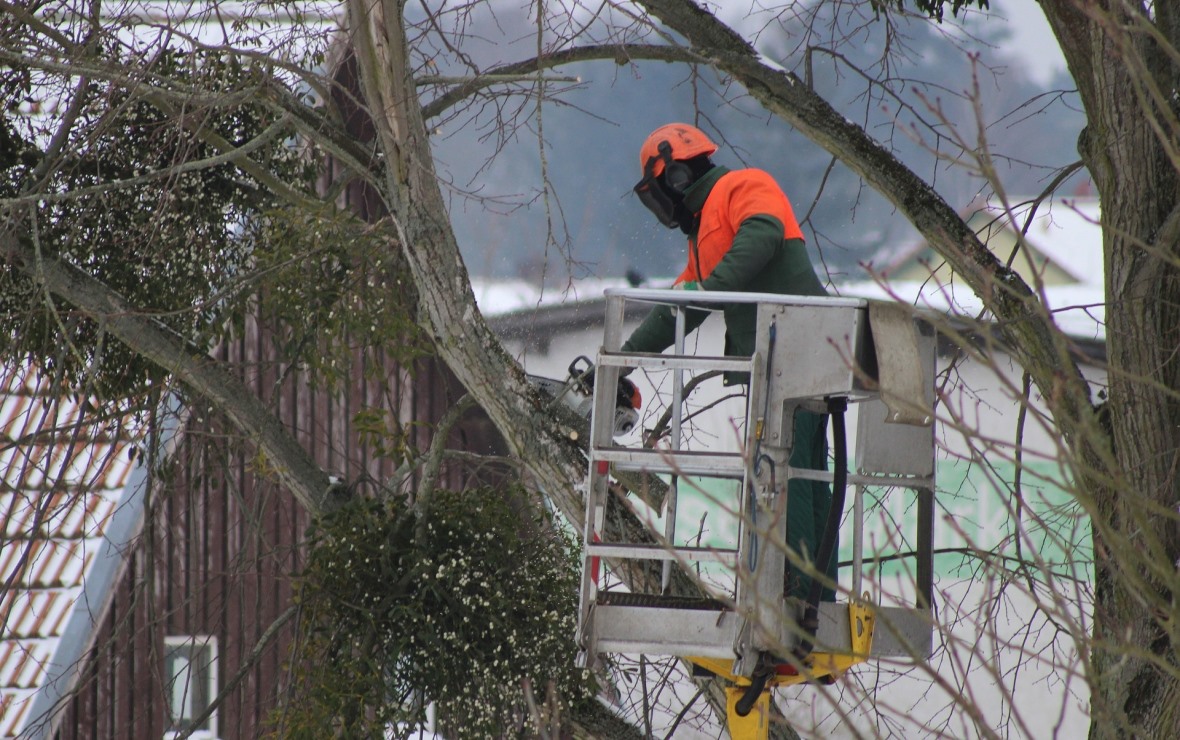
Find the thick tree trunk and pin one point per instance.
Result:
(446, 303)
(1128, 83)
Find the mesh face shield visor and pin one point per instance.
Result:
(651, 191)
(653, 197)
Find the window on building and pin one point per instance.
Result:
(190, 672)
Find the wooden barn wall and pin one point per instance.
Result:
(220, 545)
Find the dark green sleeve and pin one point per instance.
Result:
(658, 330)
(754, 245)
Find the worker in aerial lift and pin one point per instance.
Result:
(742, 236)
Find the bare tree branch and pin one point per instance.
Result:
(191, 365)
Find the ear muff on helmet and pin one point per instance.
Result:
(677, 175)
(666, 175)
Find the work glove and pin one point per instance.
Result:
(694, 286)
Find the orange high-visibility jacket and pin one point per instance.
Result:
(746, 239)
(734, 197)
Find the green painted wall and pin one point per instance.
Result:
(980, 521)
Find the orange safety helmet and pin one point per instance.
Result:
(686, 142)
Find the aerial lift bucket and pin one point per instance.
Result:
(740, 637)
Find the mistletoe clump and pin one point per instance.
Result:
(146, 201)
(460, 606)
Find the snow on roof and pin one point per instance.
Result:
(1067, 231)
(59, 489)
(500, 297)
(1078, 310)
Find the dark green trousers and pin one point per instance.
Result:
(808, 503)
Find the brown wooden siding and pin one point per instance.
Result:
(219, 545)
(219, 548)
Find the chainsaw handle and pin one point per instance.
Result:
(582, 378)
(573, 368)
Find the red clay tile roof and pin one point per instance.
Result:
(60, 484)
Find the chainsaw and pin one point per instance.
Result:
(577, 393)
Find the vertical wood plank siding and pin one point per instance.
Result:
(220, 545)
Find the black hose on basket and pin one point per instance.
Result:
(837, 407)
(757, 685)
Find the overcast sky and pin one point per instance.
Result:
(1032, 40)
